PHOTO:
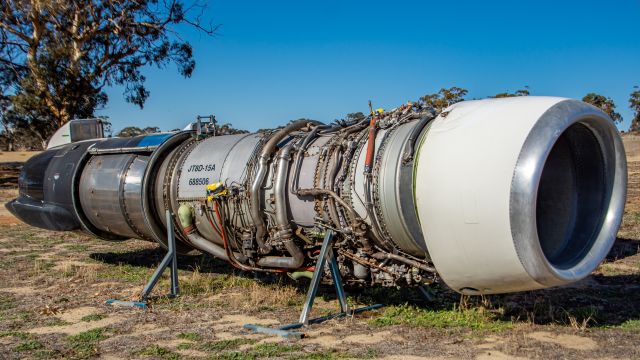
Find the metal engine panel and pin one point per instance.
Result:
(115, 206)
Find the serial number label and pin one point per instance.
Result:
(201, 167)
(199, 181)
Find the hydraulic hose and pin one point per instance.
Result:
(186, 221)
(229, 253)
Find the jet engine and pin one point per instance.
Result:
(490, 196)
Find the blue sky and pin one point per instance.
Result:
(275, 61)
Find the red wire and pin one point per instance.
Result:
(224, 236)
(215, 228)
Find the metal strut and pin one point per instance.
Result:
(327, 257)
(171, 259)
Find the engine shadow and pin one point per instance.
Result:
(600, 300)
(203, 263)
(623, 248)
(152, 257)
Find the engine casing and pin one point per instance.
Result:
(490, 196)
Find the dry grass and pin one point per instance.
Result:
(16, 156)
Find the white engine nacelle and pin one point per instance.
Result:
(520, 193)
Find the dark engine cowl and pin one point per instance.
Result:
(45, 183)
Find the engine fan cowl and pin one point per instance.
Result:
(519, 193)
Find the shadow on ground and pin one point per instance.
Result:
(623, 248)
(600, 300)
(151, 258)
(9, 174)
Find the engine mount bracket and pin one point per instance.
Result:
(170, 259)
(326, 257)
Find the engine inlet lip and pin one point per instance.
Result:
(526, 179)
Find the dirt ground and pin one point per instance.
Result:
(54, 287)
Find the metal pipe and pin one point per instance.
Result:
(280, 192)
(185, 216)
(263, 161)
(122, 150)
(333, 171)
(282, 219)
(294, 262)
(336, 197)
(227, 248)
(207, 246)
(383, 256)
(300, 155)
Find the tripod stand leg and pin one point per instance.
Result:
(337, 282)
(169, 259)
(317, 276)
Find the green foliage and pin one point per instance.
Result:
(6, 303)
(351, 118)
(222, 345)
(474, 318)
(444, 98)
(605, 104)
(631, 325)
(274, 349)
(131, 131)
(92, 317)
(634, 103)
(228, 129)
(191, 336)
(521, 92)
(236, 355)
(85, 344)
(17, 334)
(332, 355)
(155, 350)
(355, 117)
(45, 354)
(184, 346)
(89, 336)
(264, 350)
(56, 322)
(29, 345)
(57, 56)
(126, 272)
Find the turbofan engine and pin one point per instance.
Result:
(490, 196)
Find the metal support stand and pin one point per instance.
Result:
(326, 256)
(169, 259)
